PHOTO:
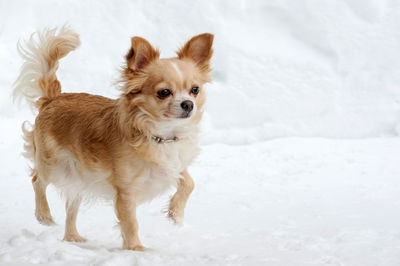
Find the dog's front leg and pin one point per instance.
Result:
(125, 207)
(178, 201)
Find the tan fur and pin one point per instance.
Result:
(178, 201)
(38, 78)
(88, 145)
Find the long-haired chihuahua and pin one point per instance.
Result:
(130, 149)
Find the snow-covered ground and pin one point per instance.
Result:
(283, 202)
(300, 138)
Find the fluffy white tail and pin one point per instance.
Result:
(37, 81)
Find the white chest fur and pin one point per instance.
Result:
(156, 178)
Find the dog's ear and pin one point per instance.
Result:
(198, 49)
(140, 54)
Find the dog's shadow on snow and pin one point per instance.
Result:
(96, 246)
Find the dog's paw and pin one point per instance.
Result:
(137, 248)
(175, 217)
(45, 219)
(74, 238)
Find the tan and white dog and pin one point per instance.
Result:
(130, 149)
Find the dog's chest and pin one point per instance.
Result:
(157, 177)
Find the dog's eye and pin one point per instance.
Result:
(195, 90)
(163, 93)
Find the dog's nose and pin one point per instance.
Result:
(187, 105)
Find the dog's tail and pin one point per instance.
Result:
(37, 81)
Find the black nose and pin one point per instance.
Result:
(187, 106)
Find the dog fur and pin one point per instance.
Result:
(92, 146)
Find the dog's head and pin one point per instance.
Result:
(171, 89)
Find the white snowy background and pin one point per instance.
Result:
(300, 162)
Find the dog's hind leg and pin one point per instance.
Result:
(178, 201)
(42, 210)
(71, 208)
(39, 183)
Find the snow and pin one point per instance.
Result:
(288, 201)
(300, 137)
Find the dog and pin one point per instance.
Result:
(130, 149)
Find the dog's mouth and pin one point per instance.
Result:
(185, 115)
(181, 114)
